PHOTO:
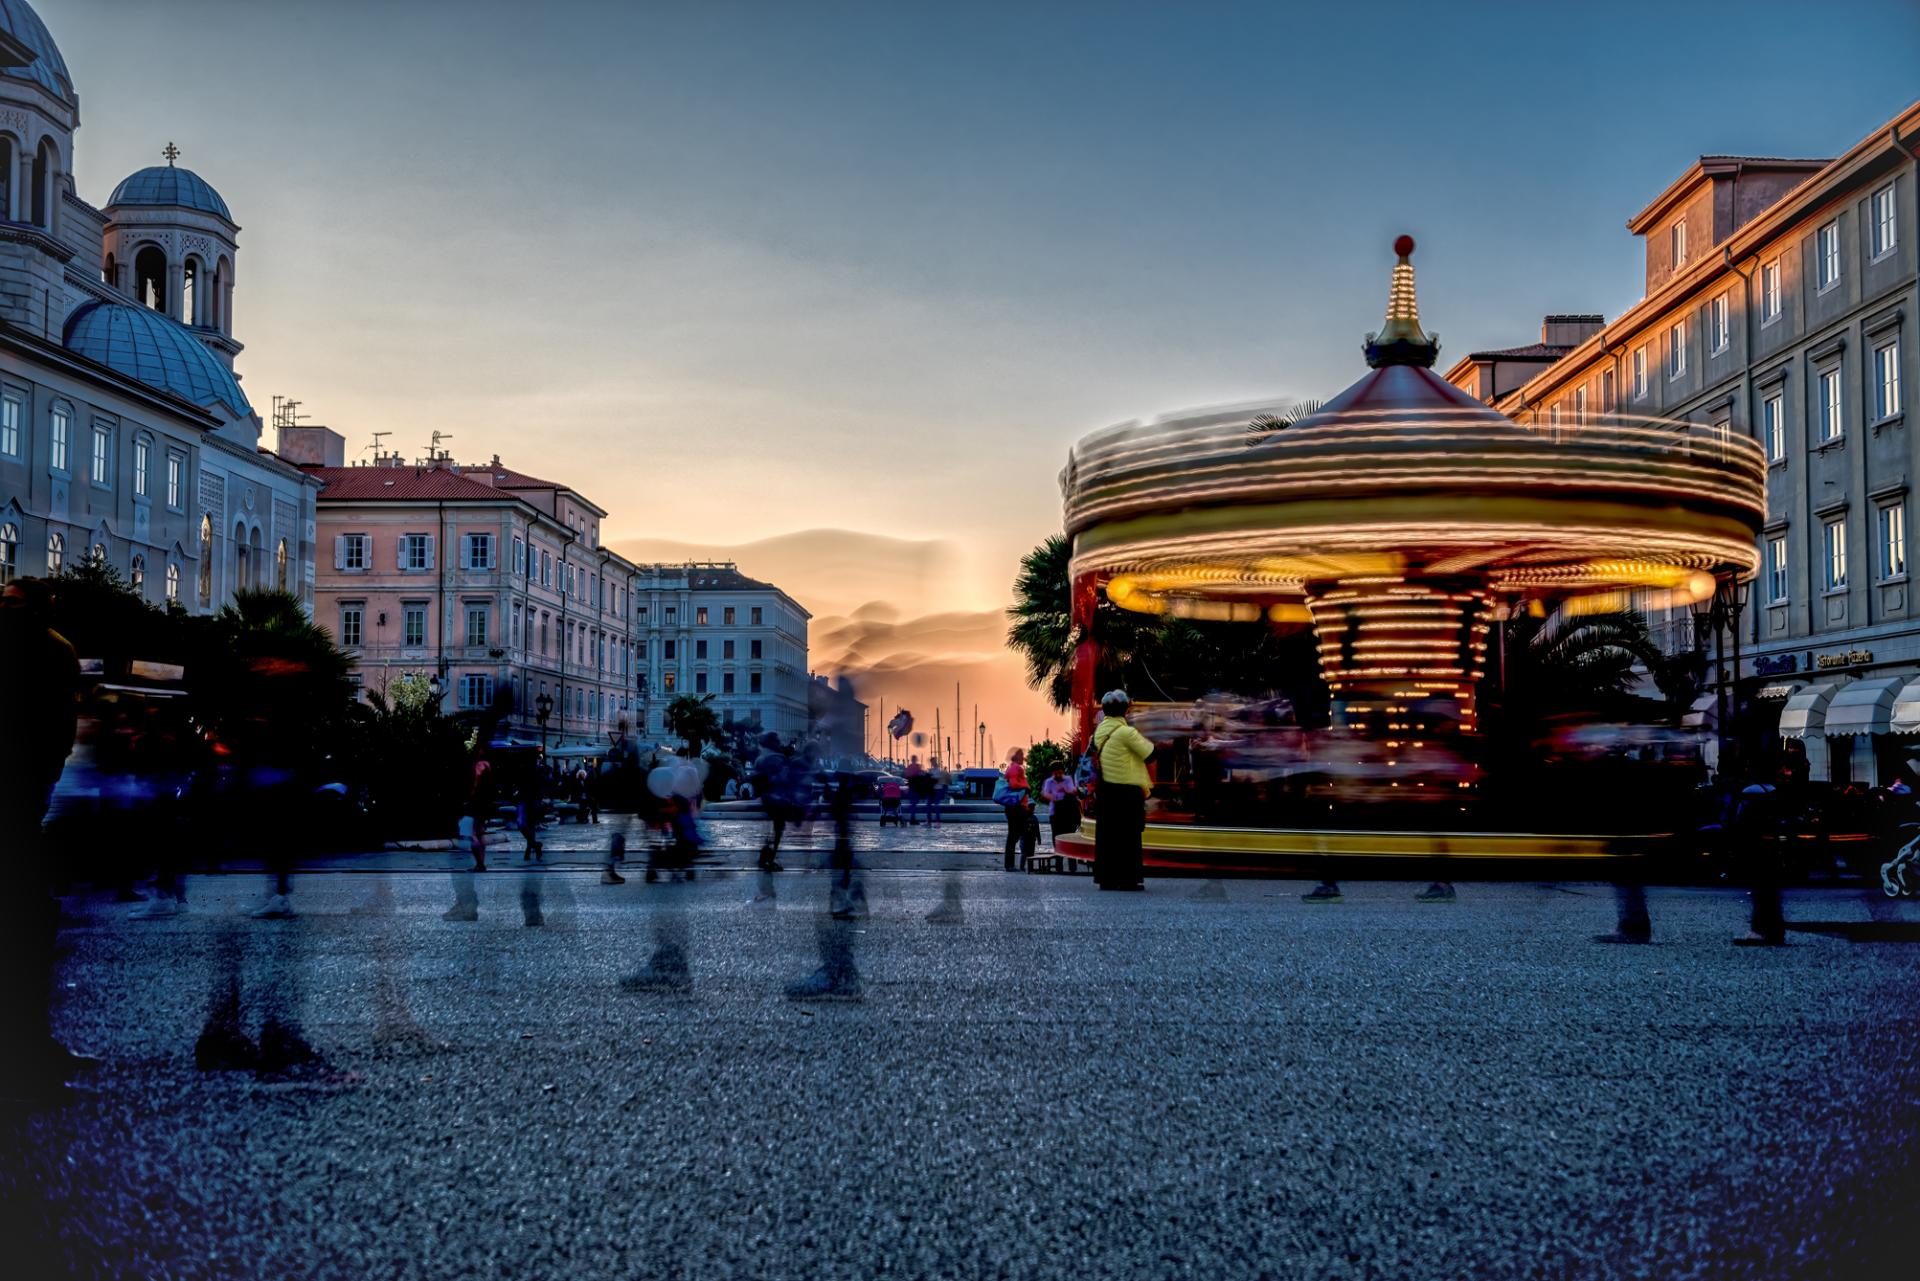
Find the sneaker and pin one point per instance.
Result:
(611, 877)
(1623, 937)
(825, 986)
(276, 908)
(671, 980)
(157, 909)
(462, 912)
(1438, 892)
(1324, 892)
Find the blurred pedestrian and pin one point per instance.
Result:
(39, 683)
(769, 768)
(919, 790)
(942, 783)
(1015, 799)
(1062, 795)
(1120, 753)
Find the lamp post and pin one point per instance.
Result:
(436, 686)
(1717, 613)
(543, 708)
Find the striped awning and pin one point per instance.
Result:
(1805, 714)
(1864, 707)
(1704, 714)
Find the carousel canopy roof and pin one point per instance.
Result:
(1404, 472)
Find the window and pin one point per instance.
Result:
(672, 612)
(480, 551)
(700, 649)
(1770, 291)
(57, 441)
(670, 649)
(9, 553)
(753, 683)
(413, 624)
(1677, 350)
(726, 616)
(142, 451)
(12, 409)
(1677, 243)
(726, 649)
(176, 475)
(280, 566)
(700, 616)
(1832, 420)
(1718, 326)
(416, 552)
(476, 691)
(1836, 554)
(753, 649)
(1640, 373)
(173, 581)
(353, 624)
(519, 557)
(546, 643)
(353, 551)
(1893, 540)
(137, 575)
(477, 624)
(726, 682)
(1886, 380)
(641, 615)
(1608, 403)
(56, 553)
(546, 569)
(1773, 427)
(1553, 416)
(97, 555)
(699, 682)
(514, 636)
(1884, 235)
(1776, 570)
(756, 616)
(102, 471)
(206, 559)
(1826, 248)
(668, 680)
(1580, 406)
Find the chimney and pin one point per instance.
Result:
(312, 446)
(1569, 331)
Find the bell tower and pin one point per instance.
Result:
(170, 244)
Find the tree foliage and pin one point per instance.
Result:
(691, 716)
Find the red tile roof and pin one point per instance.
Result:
(1532, 351)
(401, 484)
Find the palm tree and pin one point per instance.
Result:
(1042, 631)
(1264, 425)
(1557, 663)
(692, 717)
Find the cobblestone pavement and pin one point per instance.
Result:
(1202, 1080)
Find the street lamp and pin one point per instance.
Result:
(437, 687)
(543, 708)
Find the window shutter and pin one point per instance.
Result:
(400, 552)
(339, 551)
(491, 563)
(429, 551)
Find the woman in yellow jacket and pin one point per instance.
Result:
(1121, 797)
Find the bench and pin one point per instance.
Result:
(1048, 861)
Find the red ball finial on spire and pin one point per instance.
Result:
(1403, 246)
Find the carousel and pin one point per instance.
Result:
(1398, 523)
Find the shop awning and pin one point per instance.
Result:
(1864, 707)
(1704, 714)
(1806, 712)
(1906, 709)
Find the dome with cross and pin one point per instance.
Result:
(169, 186)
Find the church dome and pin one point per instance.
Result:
(145, 345)
(48, 69)
(169, 186)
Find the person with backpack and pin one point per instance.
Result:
(1016, 802)
(1120, 753)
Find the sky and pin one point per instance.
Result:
(750, 274)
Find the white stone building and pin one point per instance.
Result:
(124, 433)
(706, 628)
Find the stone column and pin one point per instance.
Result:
(176, 286)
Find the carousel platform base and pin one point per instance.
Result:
(1187, 849)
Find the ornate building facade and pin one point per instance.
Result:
(708, 629)
(124, 433)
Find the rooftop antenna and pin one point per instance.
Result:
(286, 411)
(375, 446)
(434, 452)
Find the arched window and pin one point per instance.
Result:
(280, 566)
(9, 552)
(97, 555)
(150, 278)
(217, 300)
(190, 292)
(56, 553)
(243, 559)
(137, 575)
(206, 559)
(173, 581)
(110, 272)
(43, 164)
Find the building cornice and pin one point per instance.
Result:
(26, 233)
(119, 384)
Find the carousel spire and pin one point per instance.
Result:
(1402, 341)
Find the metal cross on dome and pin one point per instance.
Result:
(171, 152)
